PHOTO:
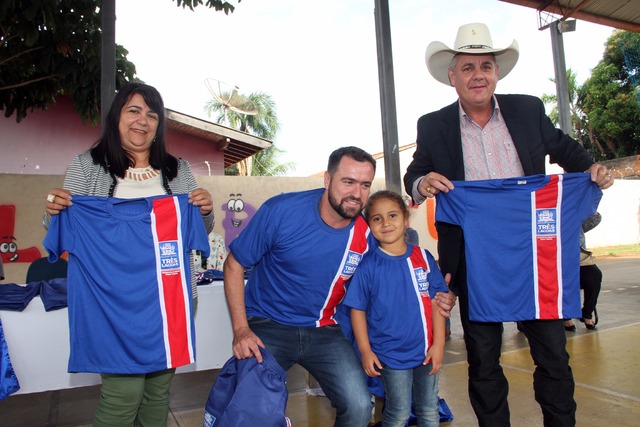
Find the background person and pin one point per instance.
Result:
(130, 161)
(487, 136)
(590, 279)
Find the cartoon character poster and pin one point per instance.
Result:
(237, 215)
(9, 246)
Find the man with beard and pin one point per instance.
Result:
(304, 247)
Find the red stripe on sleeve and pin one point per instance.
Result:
(358, 244)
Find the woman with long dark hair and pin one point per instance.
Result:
(129, 161)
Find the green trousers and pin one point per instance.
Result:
(139, 400)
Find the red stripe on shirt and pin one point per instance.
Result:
(175, 317)
(419, 260)
(549, 280)
(357, 243)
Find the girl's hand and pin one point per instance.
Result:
(435, 355)
(371, 364)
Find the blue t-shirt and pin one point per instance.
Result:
(522, 243)
(129, 287)
(396, 293)
(8, 380)
(300, 264)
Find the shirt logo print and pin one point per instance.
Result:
(350, 265)
(169, 259)
(421, 279)
(546, 223)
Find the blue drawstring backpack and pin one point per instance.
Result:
(248, 393)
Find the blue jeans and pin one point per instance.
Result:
(327, 355)
(400, 386)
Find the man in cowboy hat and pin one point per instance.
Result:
(488, 136)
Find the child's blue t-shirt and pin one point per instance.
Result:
(396, 293)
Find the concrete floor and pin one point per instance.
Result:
(605, 365)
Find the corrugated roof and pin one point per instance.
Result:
(622, 14)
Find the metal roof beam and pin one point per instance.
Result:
(578, 13)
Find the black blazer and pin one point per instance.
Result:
(439, 149)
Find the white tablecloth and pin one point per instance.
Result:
(38, 342)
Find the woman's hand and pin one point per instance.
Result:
(57, 200)
(202, 199)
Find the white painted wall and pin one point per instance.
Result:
(620, 210)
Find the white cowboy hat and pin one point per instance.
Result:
(471, 39)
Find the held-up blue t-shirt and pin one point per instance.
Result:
(522, 243)
(129, 286)
(300, 264)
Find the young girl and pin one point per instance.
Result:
(398, 328)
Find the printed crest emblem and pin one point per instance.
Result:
(169, 259)
(350, 265)
(421, 279)
(546, 222)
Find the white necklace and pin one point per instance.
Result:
(141, 174)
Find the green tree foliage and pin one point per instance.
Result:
(263, 124)
(51, 48)
(579, 121)
(573, 96)
(267, 163)
(216, 4)
(609, 100)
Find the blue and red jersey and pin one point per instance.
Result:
(396, 293)
(522, 243)
(129, 287)
(300, 264)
